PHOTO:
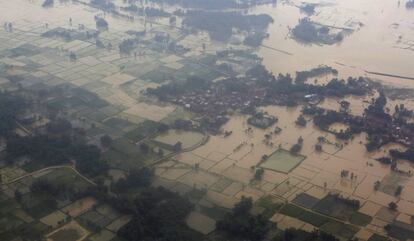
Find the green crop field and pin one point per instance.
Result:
(282, 161)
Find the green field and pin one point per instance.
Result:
(342, 230)
(305, 200)
(270, 206)
(282, 161)
(144, 129)
(66, 235)
(331, 207)
(315, 219)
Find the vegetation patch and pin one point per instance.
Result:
(377, 237)
(340, 229)
(93, 220)
(400, 231)
(294, 211)
(119, 124)
(332, 207)
(38, 205)
(65, 235)
(306, 200)
(201, 223)
(145, 129)
(269, 205)
(186, 138)
(282, 161)
(360, 219)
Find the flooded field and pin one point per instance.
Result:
(187, 138)
(383, 42)
(106, 93)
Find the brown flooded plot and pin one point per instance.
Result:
(187, 138)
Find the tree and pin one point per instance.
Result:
(178, 146)
(300, 140)
(18, 195)
(240, 223)
(88, 159)
(10, 105)
(73, 57)
(301, 121)
(392, 206)
(318, 147)
(101, 23)
(59, 126)
(106, 141)
(258, 175)
(144, 148)
(295, 148)
(377, 185)
(48, 3)
(158, 214)
(398, 190)
(136, 178)
(345, 105)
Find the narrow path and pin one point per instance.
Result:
(47, 169)
(277, 50)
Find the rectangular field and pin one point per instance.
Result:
(282, 161)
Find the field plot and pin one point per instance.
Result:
(201, 223)
(341, 210)
(38, 206)
(80, 206)
(54, 219)
(93, 219)
(21, 214)
(118, 223)
(118, 79)
(70, 232)
(66, 176)
(390, 183)
(187, 138)
(342, 230)
(103, 235)
(150, 112)
(305, 200)
(282, 161)
(124, 154)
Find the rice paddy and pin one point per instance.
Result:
(282, 161)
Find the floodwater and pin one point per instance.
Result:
(187, 138)
(384, 43)
(377, 46)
